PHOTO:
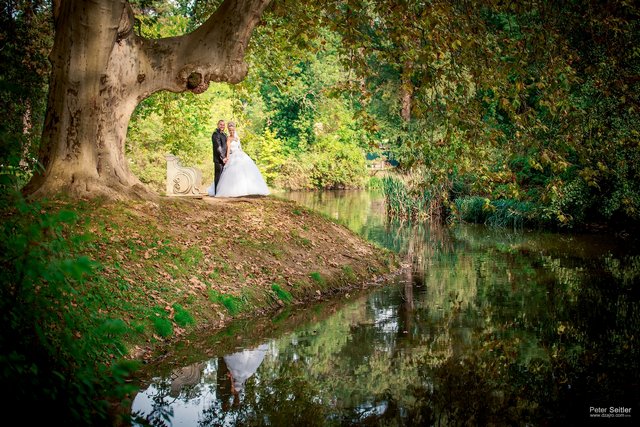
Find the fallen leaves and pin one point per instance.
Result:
(235, 249)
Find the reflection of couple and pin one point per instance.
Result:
(235, 173)
(233, 372)
(244, 364)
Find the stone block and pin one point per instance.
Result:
(182, 180)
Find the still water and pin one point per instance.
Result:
(485, 327)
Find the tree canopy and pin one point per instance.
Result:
(531, 105)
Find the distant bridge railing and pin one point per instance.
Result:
(375, 167)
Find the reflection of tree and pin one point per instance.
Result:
(224, 393)
(423, 243)
(292, 401)
(555, 337)
(495, 334)
(160, 411)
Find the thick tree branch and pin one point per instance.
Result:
(213, 52)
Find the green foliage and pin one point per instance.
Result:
(281, 294)
(530, 102)
(157, 19)
(232, 303)
(182, 317)
(162, 326)
(296, 173)
(337, 164)
(55, 341)
(330, 164)
(317, 277)
(295, 100)
(26, 37)
(268, 152)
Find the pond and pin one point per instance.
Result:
(486, 327)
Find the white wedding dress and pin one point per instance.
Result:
(244, 364)
(240, 176)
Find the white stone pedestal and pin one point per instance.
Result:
(181, 180)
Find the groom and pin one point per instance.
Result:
(219, 140)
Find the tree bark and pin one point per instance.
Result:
(406, 92)
(101, 70)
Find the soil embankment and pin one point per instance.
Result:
(173, 265)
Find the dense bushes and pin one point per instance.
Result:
(531, 104)
(46, 299)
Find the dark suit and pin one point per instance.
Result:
(219, 140)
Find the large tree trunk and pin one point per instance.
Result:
(101, 70)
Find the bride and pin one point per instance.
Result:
(240, 175)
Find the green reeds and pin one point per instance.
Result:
(496, 213)
(406, 204)
(510, 213)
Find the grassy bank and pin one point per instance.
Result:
(176, 264)
(95, 285)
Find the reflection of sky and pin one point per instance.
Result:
(386, 320)
(185, 413)
(187, 410)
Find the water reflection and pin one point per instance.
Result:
(487, 327)
(200, 393)
(242, 365)
(183, 379)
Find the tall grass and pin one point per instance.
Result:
(496, 213)
(405, 201)
(410, 204)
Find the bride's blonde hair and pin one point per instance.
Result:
(234, 128)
